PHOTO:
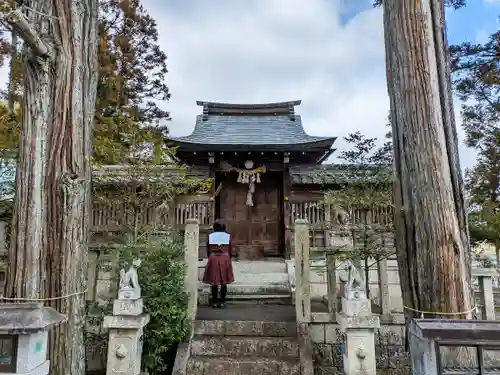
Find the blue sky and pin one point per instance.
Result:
(474, 22)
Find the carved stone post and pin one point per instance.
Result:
(384, 291)
(485, 277)
(331, 283)
(359, 324)
(126, 327)
(302, 272)
(191, 244)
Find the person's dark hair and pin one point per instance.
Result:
(219, 226)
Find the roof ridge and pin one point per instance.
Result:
(284, 104)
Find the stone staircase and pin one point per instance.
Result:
(255, 334)
(256, 282)
(250, 347)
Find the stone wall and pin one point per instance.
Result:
(392, 357)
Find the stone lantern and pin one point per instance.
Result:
(24, 337)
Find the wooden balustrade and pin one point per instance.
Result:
(114, 216)
(322, 216)
(202, 211)
(323, 221)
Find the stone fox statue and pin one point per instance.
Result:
(129, 282)
(355, 278)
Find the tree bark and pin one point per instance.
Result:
(431, 227)
(48, 251)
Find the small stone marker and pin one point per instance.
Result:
(24, 337)
(358, 323)
(126, 326)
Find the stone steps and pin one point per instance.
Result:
(258, 282)
(249, 328)
(251, 267)
(237, 289)
(256, 333)
(244, 347)
(213, 365)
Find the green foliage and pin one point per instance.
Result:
(364, 155)
(161, 276)
(485, 225)
(476, 78)
(132, 81)
(362, 197)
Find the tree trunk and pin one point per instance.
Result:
(431, 227)
(48, 251)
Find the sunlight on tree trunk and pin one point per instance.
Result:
(48, 251)
(431, 228)
(432, 243)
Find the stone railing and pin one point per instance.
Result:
(324, 280)
(191, 241)
(302, 272)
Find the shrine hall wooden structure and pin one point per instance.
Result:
(266, 143)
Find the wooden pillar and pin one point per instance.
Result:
(287, 218)
(213, 208)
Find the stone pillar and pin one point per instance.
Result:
(302, 272)
(191, 245)
(384, 291)
(331, 283)
(126, 327)
(359, 324)
(485, 277)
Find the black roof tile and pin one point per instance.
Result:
(250, 124)
(332, 174)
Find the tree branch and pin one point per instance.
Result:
(17, 20)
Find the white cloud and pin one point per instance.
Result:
(273, 50)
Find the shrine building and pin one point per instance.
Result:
(267, 172)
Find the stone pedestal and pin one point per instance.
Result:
(125, 337)
(359, 324)
(24, 337)
(485, 277)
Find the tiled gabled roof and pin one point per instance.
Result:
(332, 174)
(250, 124)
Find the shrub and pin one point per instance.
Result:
(161, 276)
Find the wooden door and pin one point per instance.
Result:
(233, 210)
(255, 230)
(266, 216)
